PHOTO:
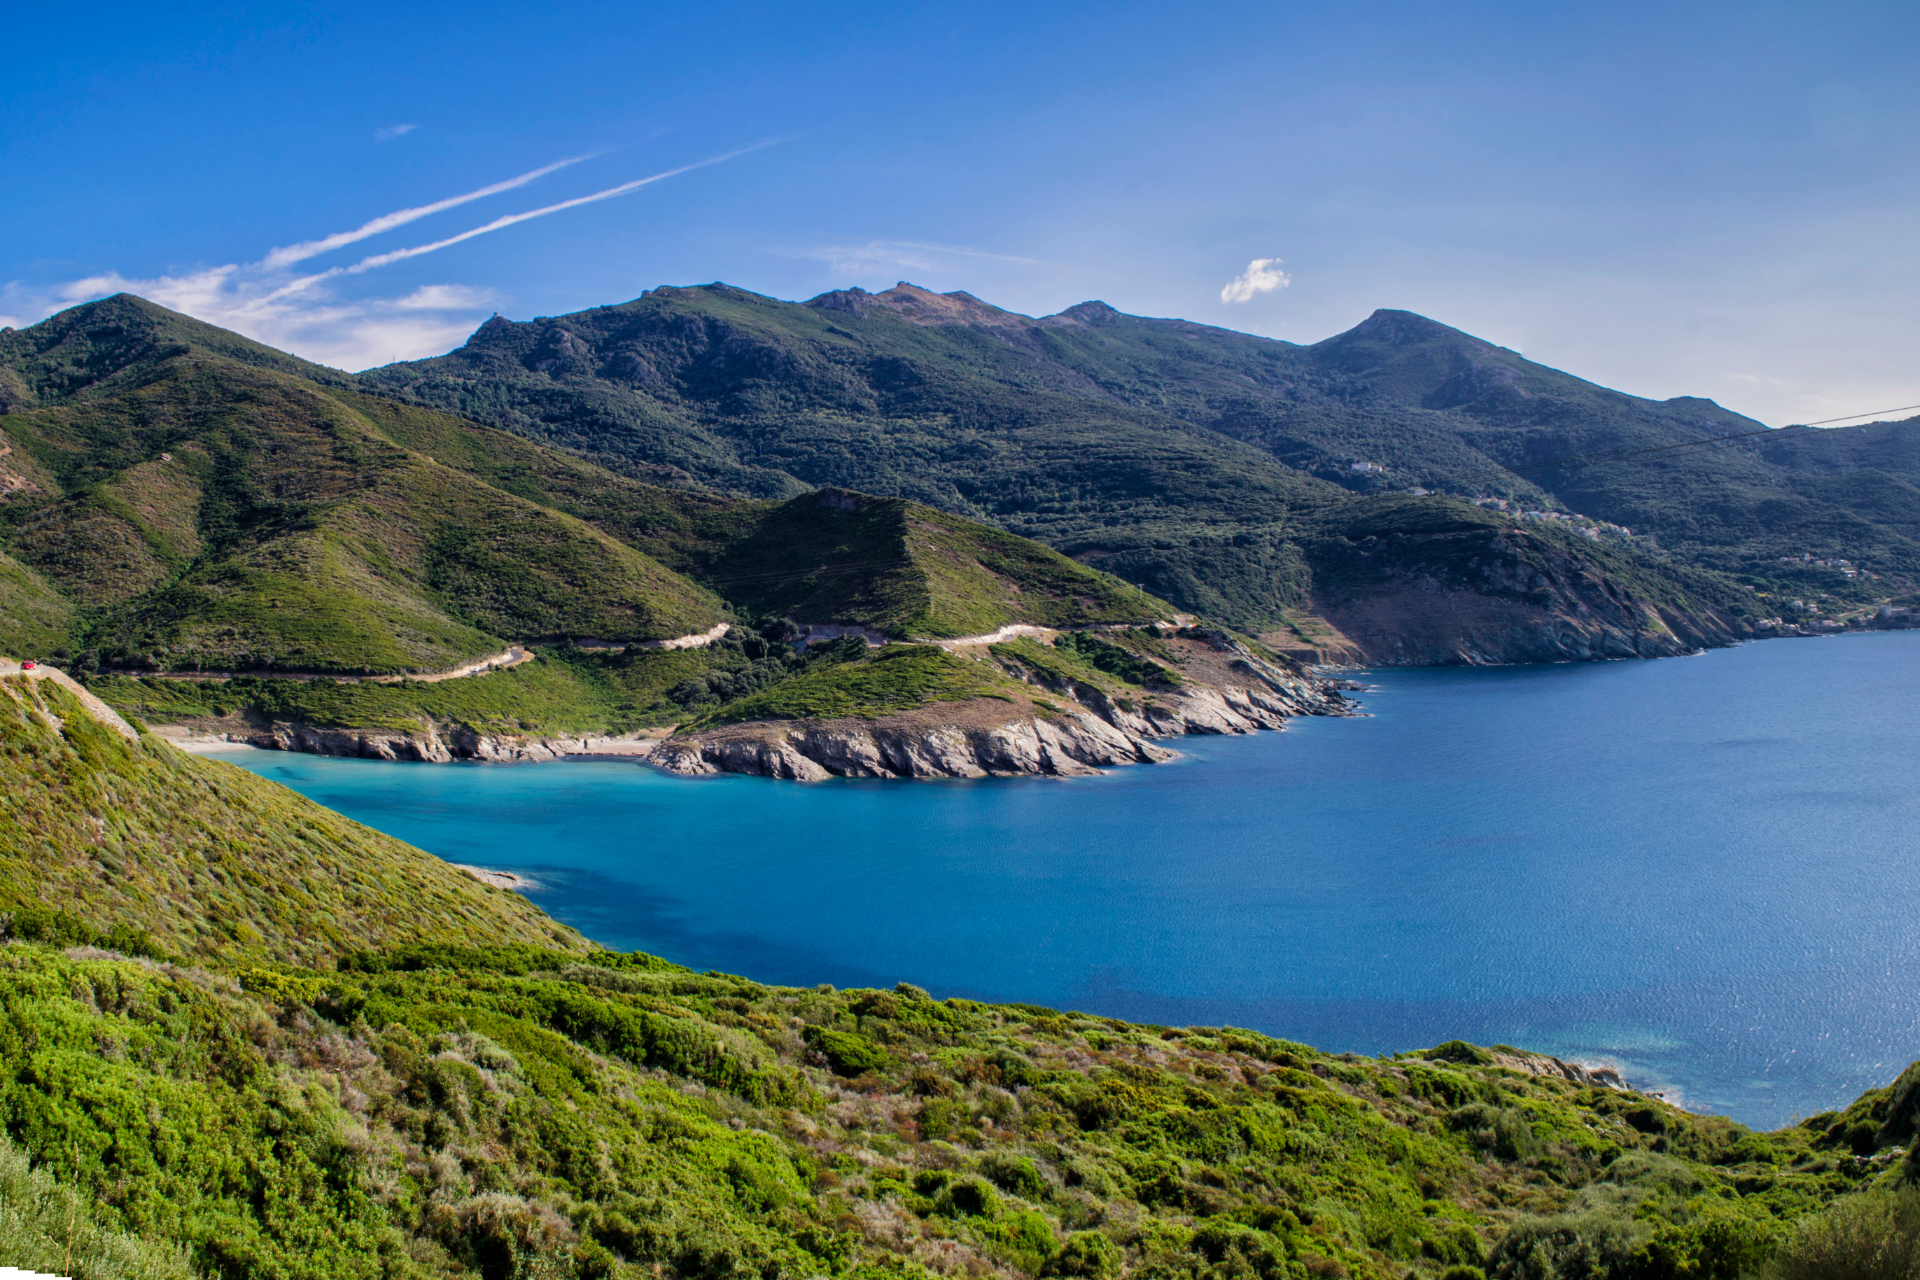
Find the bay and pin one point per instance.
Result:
(1701, 869)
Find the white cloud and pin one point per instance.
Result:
(512, 219)
(444, 297)
(346, 334)
(1263, 275)
(388, 221)
(302, 314)
(393, 131)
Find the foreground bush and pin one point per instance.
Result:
(50, 1228)
(438, 1111)
(1875, 1236)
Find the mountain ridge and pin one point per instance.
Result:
(949, 401)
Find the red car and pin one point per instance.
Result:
(28, 665)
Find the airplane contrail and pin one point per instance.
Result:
(400, 255)
(388, 221)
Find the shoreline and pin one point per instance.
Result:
(508, 880)
(902, 746)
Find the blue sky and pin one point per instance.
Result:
(1671, 199)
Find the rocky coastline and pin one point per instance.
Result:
(977, 740)
(1068, 728)
(431, 744)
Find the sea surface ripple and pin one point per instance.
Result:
(1700, 869)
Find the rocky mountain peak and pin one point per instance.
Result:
(1401, 329)
(921, 306)
(1094, 314)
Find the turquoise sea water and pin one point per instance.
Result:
(1706, 870)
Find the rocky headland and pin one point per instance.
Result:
(1473, 592)
(1213, 684)
(1044, 718)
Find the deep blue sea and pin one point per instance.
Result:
(1705, 870)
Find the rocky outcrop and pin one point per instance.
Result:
(1540, 1064)
(1061, 745)
(1487, 594)
(436, 744)
(1225, 688)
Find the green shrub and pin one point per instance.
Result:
(967, 1198)
(1871, 1236)
(939, 1118)
(64, 929)
(1712, 1245)
(1088, 1255)
(1599, 1245)
(1457, 1051)
(1114, 660)
(1505, 1131)
(1026, 1239)
(1016, 1175)
(848, 1053)
(46, 1226)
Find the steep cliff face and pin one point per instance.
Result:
(1420, 586)
(429, 742)
(1424, 623)
(1078, 720)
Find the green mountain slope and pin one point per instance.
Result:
(228, 515)
(894, 566)
(112, 345)
(199, 511)
(1112, 436)
(122, 840)
(762, 398)
(1189, 460)
(834, 556)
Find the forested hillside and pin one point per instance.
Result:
(177, 498)
(1190, 459)
(190, 510)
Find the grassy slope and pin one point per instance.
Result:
(561, 692)
(762, 398)
(899, 677)
(101, 348)
(475, 1112)
(834, 556)
(573, 693)
(213, 861)
(226, 515)
(34, 618)
(464, 1108)
(896, 566)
